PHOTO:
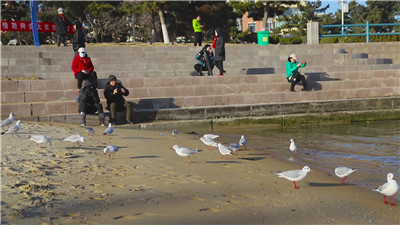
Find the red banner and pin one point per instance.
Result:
(27, 26)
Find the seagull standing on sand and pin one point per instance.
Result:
(243, 141)
(209, 140)
(40, 139)
(295, 175)
(13, 129)
(184, 152)
(90, 131)
(388, 189)
(109, 130)
(75, 138)
(343, 172)
(224, 150)
(111, 149)
(8, 121)
(293, 147)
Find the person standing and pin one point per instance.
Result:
(62, 27)
(78, 41)
(114, 93)
(83, 68)
(219, 45)
(198, 29)
(292, 72)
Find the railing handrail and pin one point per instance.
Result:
(366, 25)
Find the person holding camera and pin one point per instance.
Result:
(205, 60)
(114, 93)
(292, 72)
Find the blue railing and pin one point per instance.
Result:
(367, 33)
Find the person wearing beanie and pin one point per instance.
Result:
(114, 93)
(83, 68)
(78, 41)
(61, 27)
(219, 45)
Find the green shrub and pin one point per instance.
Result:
(329, 40)
(353, 39)
(290, 40)
(384, 38)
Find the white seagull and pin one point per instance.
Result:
(388, 189)
(109, 130)
(14, 128)
(343, 172)
(184, 152)
(40, 139)
(234, 147)
(224, 150)
(293, 147)
(8, 121)
(243, 141)
(295, 175)
(209, 140)
(75, 138)
(90, 131)
(111, 149)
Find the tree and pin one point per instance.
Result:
(382, 12)
(262, 10)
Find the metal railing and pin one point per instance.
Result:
(367, 31)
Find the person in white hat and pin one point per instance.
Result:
(61, 27)
(292, 72)
(83, 68)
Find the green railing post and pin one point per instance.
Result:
(367, 31)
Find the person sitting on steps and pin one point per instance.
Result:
(292, 72)
(114, 93)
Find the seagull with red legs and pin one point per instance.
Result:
(295, 175)
(343, 172)
(388, 189)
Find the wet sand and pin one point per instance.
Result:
(147, 183)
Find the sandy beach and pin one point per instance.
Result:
(146, 182)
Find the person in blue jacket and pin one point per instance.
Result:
(205, 60)
(292, 72)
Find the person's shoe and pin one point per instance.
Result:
(83, 117)
(304, 89)
(221, 74)
(292, 91)
(129, 122)
(101, 117)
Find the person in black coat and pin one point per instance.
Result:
(219, 45)
(62, 27)
(114, 93)
(78, 41)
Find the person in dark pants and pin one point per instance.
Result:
(292, 72)
(83, 68)
(198, 29)
(219, 45)
(114, 93)
(205, 60)
(89, 102)
(78, 41)
(61, 27)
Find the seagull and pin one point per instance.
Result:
(90, 130)
(224, 150)
(295, 175)
(174, 133)
(388, 189)
(111, 149)
(343, 172)
(13, 129)
(109, 130)
(243, 141)
(75, 138)
(293, 147)
(184, 152)
(234, 147)
(40, 139)
(208, 139)
(8, 121)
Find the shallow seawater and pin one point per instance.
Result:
(373, 147)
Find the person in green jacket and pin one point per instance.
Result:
(292, 72)
(198, 29)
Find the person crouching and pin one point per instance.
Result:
(114, 93)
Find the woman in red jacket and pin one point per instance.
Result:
(83, 68)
